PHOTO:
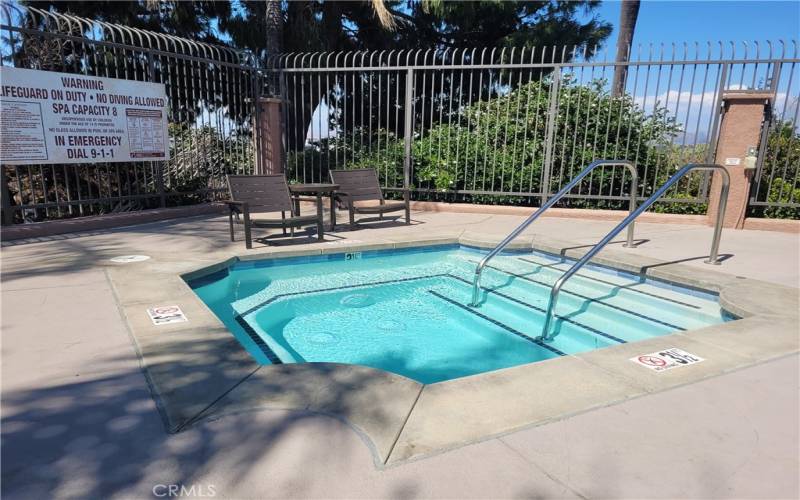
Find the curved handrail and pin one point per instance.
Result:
(712, 258)
(552, 201)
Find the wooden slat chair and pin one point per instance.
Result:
(261, 194)
(360, 192)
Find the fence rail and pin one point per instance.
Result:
(507, 125)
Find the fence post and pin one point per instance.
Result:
(268, 136)
(408, 128)
(284, 121)
(550, 130)
(162, 197)
(739, 131)
(256, 120)
(5, 198)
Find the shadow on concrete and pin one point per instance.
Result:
(280, 240)
(102, 436)
(75, 252)
(636, 244)
(376, 223)
(68, 253)
(106, 231)
(721, 257)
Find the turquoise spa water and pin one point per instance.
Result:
(406, 311)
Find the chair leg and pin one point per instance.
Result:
(248, 241)
(333, 212)
(407, 199)
(320, 235)
(283, 218)
(230, 224)
(352, 219)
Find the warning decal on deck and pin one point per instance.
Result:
(666, 359)
(165, 315)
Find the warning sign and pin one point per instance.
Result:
(144, 133)
(165, 315)
(666, 359)
(49, 117)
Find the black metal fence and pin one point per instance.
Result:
(211, 91)
(514, 125)
(495, 125)
(776, 189)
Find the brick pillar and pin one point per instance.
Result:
(267, 137)
(739, 131)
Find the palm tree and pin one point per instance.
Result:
(629, 12)
(274, 39)
(274, 27)
(274, 18)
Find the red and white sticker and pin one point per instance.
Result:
(165, 315)
(666, 359)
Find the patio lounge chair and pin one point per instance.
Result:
(260, 194)
(360, 192)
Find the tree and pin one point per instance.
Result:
(273, 30)
(489, 149)
(629, 12)
(355, 26)
(274, 27)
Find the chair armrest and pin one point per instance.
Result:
(238, 206)
(344, 198)
(406, 195)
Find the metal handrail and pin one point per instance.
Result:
(712, 258)
(549, 203)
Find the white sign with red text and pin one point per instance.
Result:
(666, 359)
(49, 117)
(165, 315)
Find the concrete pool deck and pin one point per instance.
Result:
(74, 400)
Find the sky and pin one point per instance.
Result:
(678, 20)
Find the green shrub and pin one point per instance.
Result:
(779, 173)
(497, 145)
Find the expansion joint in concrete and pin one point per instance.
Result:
(402, 427)
(202, 412)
